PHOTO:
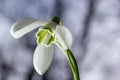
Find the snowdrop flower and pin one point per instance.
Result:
(49, 33)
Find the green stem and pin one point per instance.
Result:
(73, 64)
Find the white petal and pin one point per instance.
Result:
(22, 27)
(64, 37)
(43, 57)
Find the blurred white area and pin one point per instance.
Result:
(95, 26)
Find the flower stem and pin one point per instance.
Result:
(73, 64)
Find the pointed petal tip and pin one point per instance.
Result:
(41, 72)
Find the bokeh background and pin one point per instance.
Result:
(95, 25)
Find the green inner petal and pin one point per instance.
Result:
(44, 37)
(40, 36)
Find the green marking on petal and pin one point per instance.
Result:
(51, 40)
(49, 29)
(40, 36)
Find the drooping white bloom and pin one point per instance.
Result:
(48, 33)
